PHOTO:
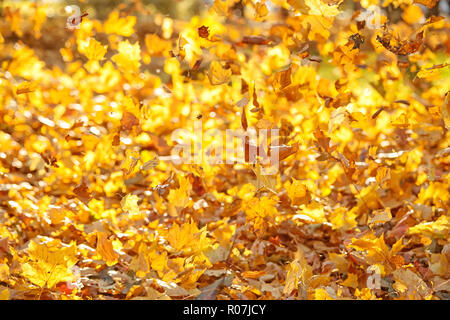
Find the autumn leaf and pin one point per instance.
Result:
(178, 198)
(92, 49)
(82, 191)
(130, 205)
(234, 150)
(128, 58)
(256, 40)
(299, 273)
(261, 10)
(105, 249)
(48, 266)
(218, 74)
(320, 8)
(26, 87)
(120, 26)
(203, 32)
(261, 212)
(4, 294)
(429, 3)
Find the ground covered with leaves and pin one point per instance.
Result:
(93, 205)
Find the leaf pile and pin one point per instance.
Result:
(93, 204)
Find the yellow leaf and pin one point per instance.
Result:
(130, 205)
(438, 228)
(445, 110)
(407, 282)
(120, 26)
(26, 87)
(383, 176)
(380, 216)
(264, 180)
(261, 211)
(374, 249)
(430, 72)
(315, 211)
(139, 264)
(299, 272)
(128, 58)
(320, 8)
(365, 294)
(49, 266)
(397, 247)
(351, 281)
(429, 3)
(297, 192)
(412, 14)
(218, 74)
(4, 294)
(179, 198)
(105, 249)
(319, 26)
(322, 294)
(342, 264)
(299, 6)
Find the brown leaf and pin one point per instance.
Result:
(116, 140)
(128, 121)
(244, 122)
(284, 151)
(357, 40)
(197, 184)
(376, 114)
(203, 32)
(282, 79)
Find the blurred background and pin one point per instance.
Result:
(177, 9)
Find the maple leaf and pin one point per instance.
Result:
(82, 191)
(4, 272)
(408, 282)
(105, 249)
(150, 164)
(128, 58)
(26, 87)
(92, 49)
(48, 266)
(120, 26)
(366, 92)
(262, 212)
(203, 32)
(319, 8)
(178, 198)
(263, 180)
(187, 238)
(147, 260)
(429, 3)
(297, 192)
(4, 294)
(218, 74)
(438, 228)
(299, 273)
(256, 40)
